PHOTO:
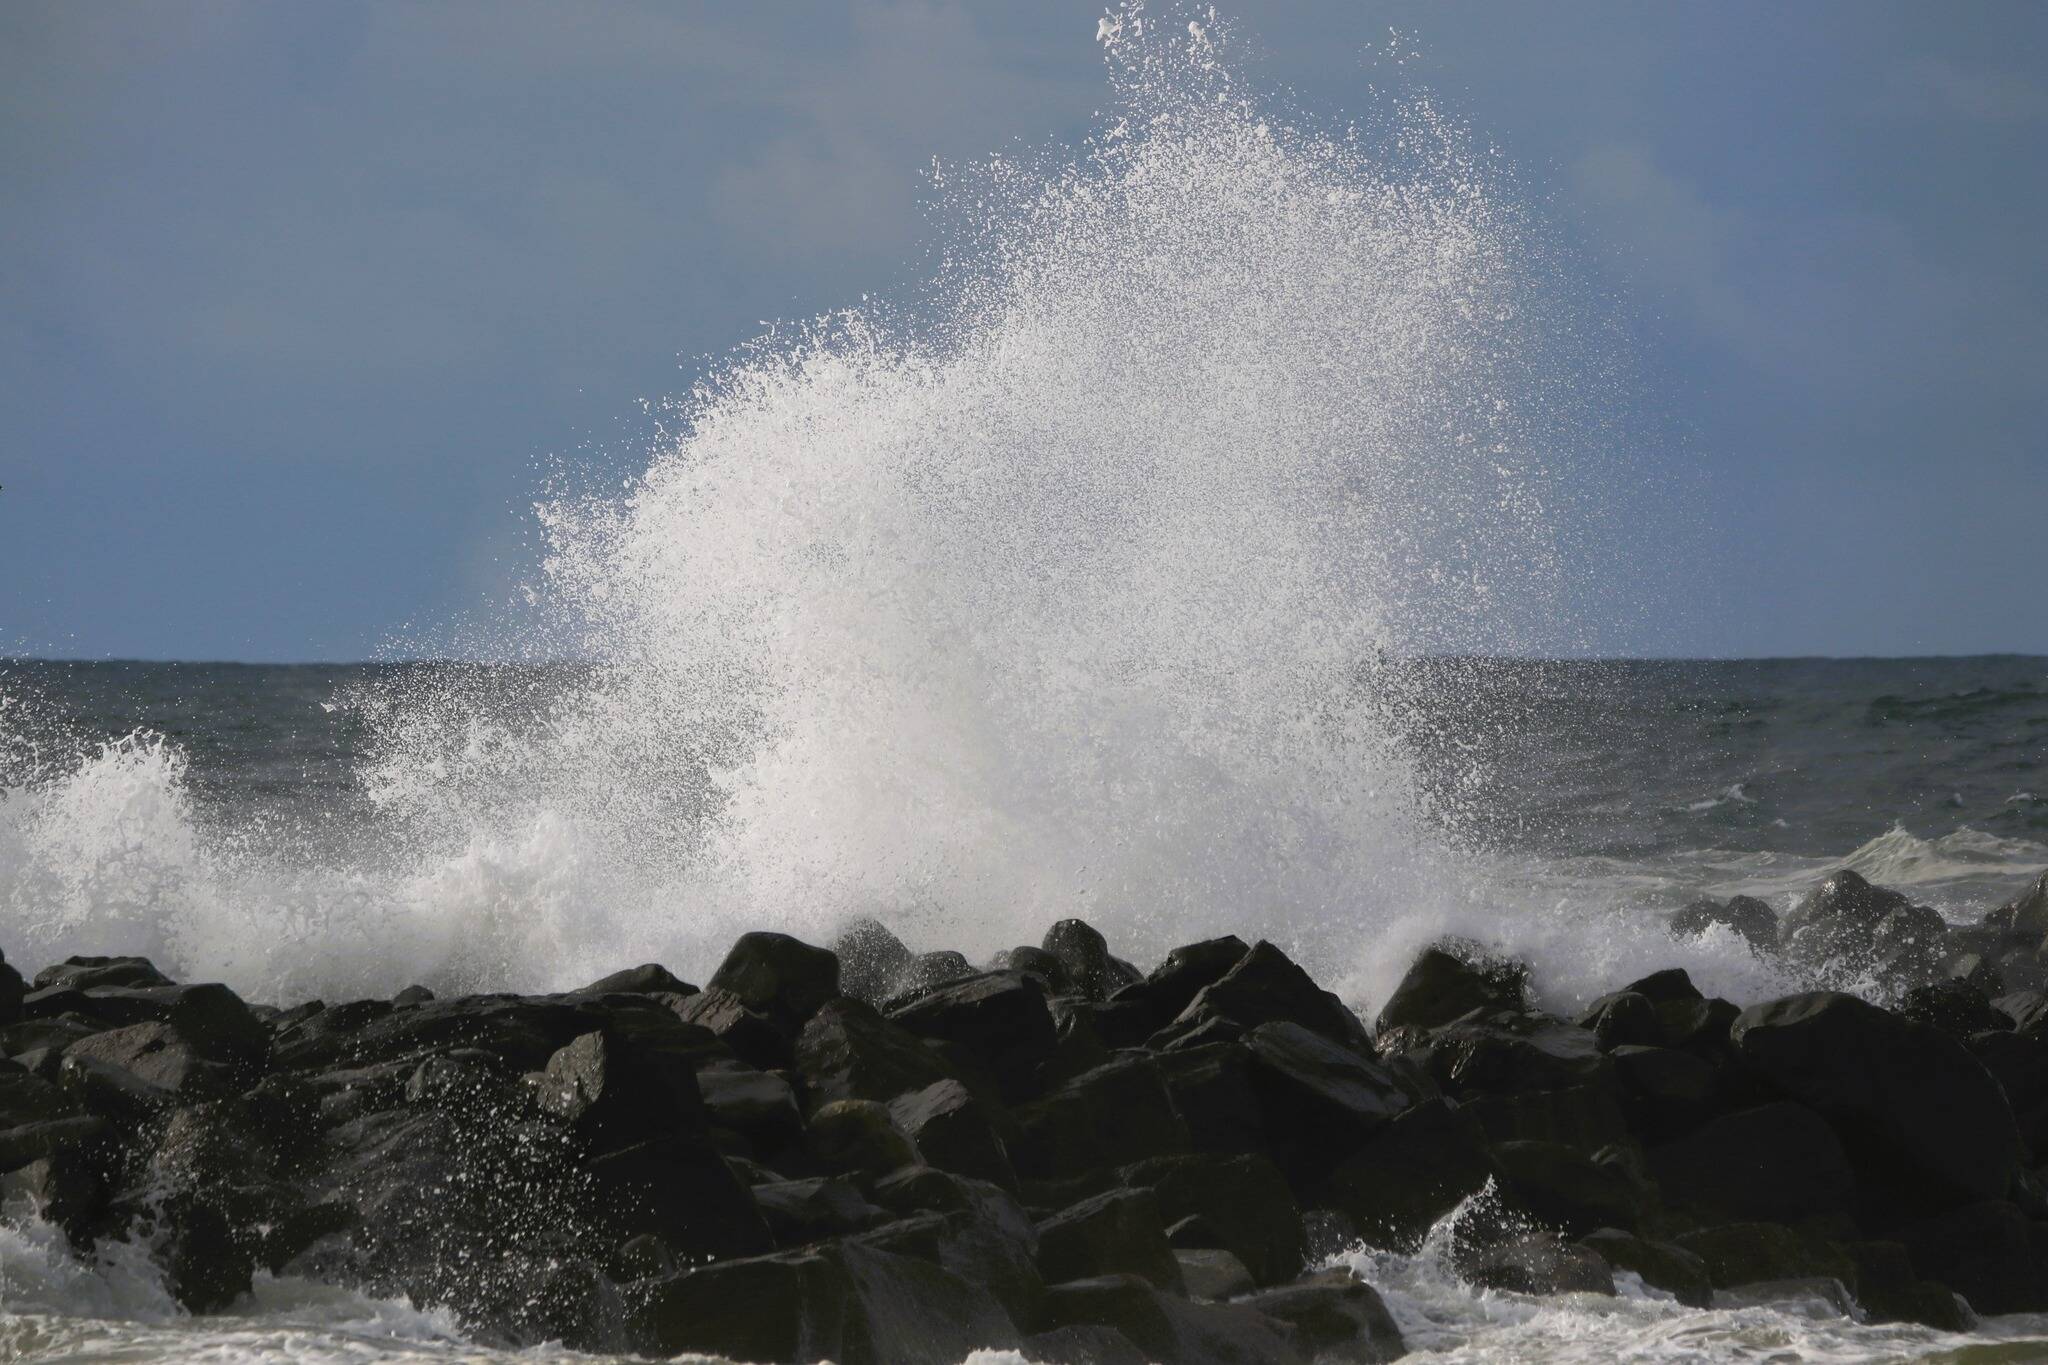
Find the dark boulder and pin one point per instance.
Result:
(1755, 921)
(799, 1212)
(84, 973)
(1171, 986)
(860, 1137)
(12, 989)
(1838, 919)
(754, 1036)
(926, 972)
(872, 961)
(1120, 1232)
(1267, 987)
(1565, 1189)
(849, 1052)
(210, 1017)
(1754, 1253)
(1661, 1265)
(1211, 1273)
(1900, 1094)
(956, 1132)
(844, 1302)
(614, 1094)
(1664, 1091)
(1776, 1161)
(1889, 1289)
(1336, 1317)
(159, 1054)
(1111, 1116)
(1955, 1007)
(1000, 1018)
(1170, 1329)
(1317, 1099)
(1211, 1087)
(1540, 1265)
(758, 1105)
(970, 1227)
(779, 976)
(680, 1190)
(1242, 1201)
(1443, 985)
(1422, 1165)
(1084, 1343)
(1081, 949)
(650, 978)
(1044, 965)
(2025, 915)
(1989, 1252)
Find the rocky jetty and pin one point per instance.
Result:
(863, 1154)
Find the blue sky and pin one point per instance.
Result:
(296, 301)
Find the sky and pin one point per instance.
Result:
(298, 302)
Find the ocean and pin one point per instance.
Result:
(1181, 554)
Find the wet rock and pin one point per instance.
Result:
(614, 1094)
(158, 1054)
(24, 1143)
(849, 1052)
(12, 989)
(1000, 1018)
(206, 1265)
(1211, 1087)
(1540, 1265)
(955, 1132)
(1838, 919)
(1166, 1328)
(1989, 1252)
(2025, 915)
(1171, 987)
(1082, 951)
(2028, 1011)
(926, 972)
(522, 1031)
(1317, 1099)
(412, 995)
(1566, 1189)
(1042, 964)
(1755, 921)
(1955, 1007)
(67, 1188)
(1242, 1201)
(1083, 1344)
(680, 1190)
(1335, 1317)
(84, 973)
(1663, 1009)
(779, 976)
(1111, 1116)
(1665, 1091)
(859, 1136)
(1661, 1265)
(1826, 1291)
(111, 1092)
(1120, 1232)
(1266, 987)
(1776, 1161)
(650, 978)
(1443, 986)
(753, 1036)
(210, 1017)
(1890, 1290)
(845, 1302)
(970, 1227)
(871, 960)
(799, 1212)
(1506, 1054)
(1750, 1253)
(1210, 1273)
(1899, 1094)
(758, 1105)
(1421, 1166)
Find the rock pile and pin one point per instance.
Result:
(864, 1154)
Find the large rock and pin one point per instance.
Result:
(1113, 1115)
(1170, 1329)
(1988, 1252)
(1778, 1161)
(1566, 1189)
(780, 976)
(859, 1136)
(157, 1053)
(12, 989)
(1754, 1253)
(1000, 1018)
(970, 1227)
(1420, 1167)
(614, 1094)
(872, 961)
(83, 973)
(846, 1302)
(649, 978)
(1171, 986)
(210, 1017)
(1083, 952)
(1211, 1087)
(1747, 916)
(1336, 1317)
(2024, 916)
(1661, 1265)
(1120, 1232)
(1319, 1100)
(1265, 987)
(956, 1132)
(1902, 1096)
(849, 1052)
(757, 1037)
(1838, 920)
(1443, 985)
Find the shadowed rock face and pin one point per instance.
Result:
(1063, 1156)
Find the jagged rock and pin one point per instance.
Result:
(1566, 1189)
(849, 1052)
(1540, 1265)
(1442, 986)
(112, 1092)
(1661, 1265)
(1955, 1007)
(650, 978)
(1898, 1093)
(206, 1265)
(1755, 921)
(159, 1054)
(754, 1037)
(2025, 915)
(1265, 987)
(28, 1142)
(614, 1094)
(1210, 1273)
(1120, 1232)
(412, 995)
(871, 960)
(1149, 1005)
(1665, 1091)
(779, 976)
(1082, 950)
(1506, 1054)
(1663, 1009)
(1838, 919)
(926, 972)
(844, 1302)
(859, 1136)
(1243, 1201)
(799, 1212)
(2028, 1011)
(1042, 964)
(1420, 1167)
(67, 1188)
(12, 989)
(84, 973)
(680, 1190)
(1001, 1018)
(210, 1017)
(955, 1132)
(1890, 1290)
(1166, 1328)
(758, 1105)
(1319, 1100)
(1989, 1252)
(1211, 1087)
(970, 1227)
(1751, 1253)
(1084, 1343)
(1116, 1114)
(523, 1031)
(1336, 1317)
(1778, 1161)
